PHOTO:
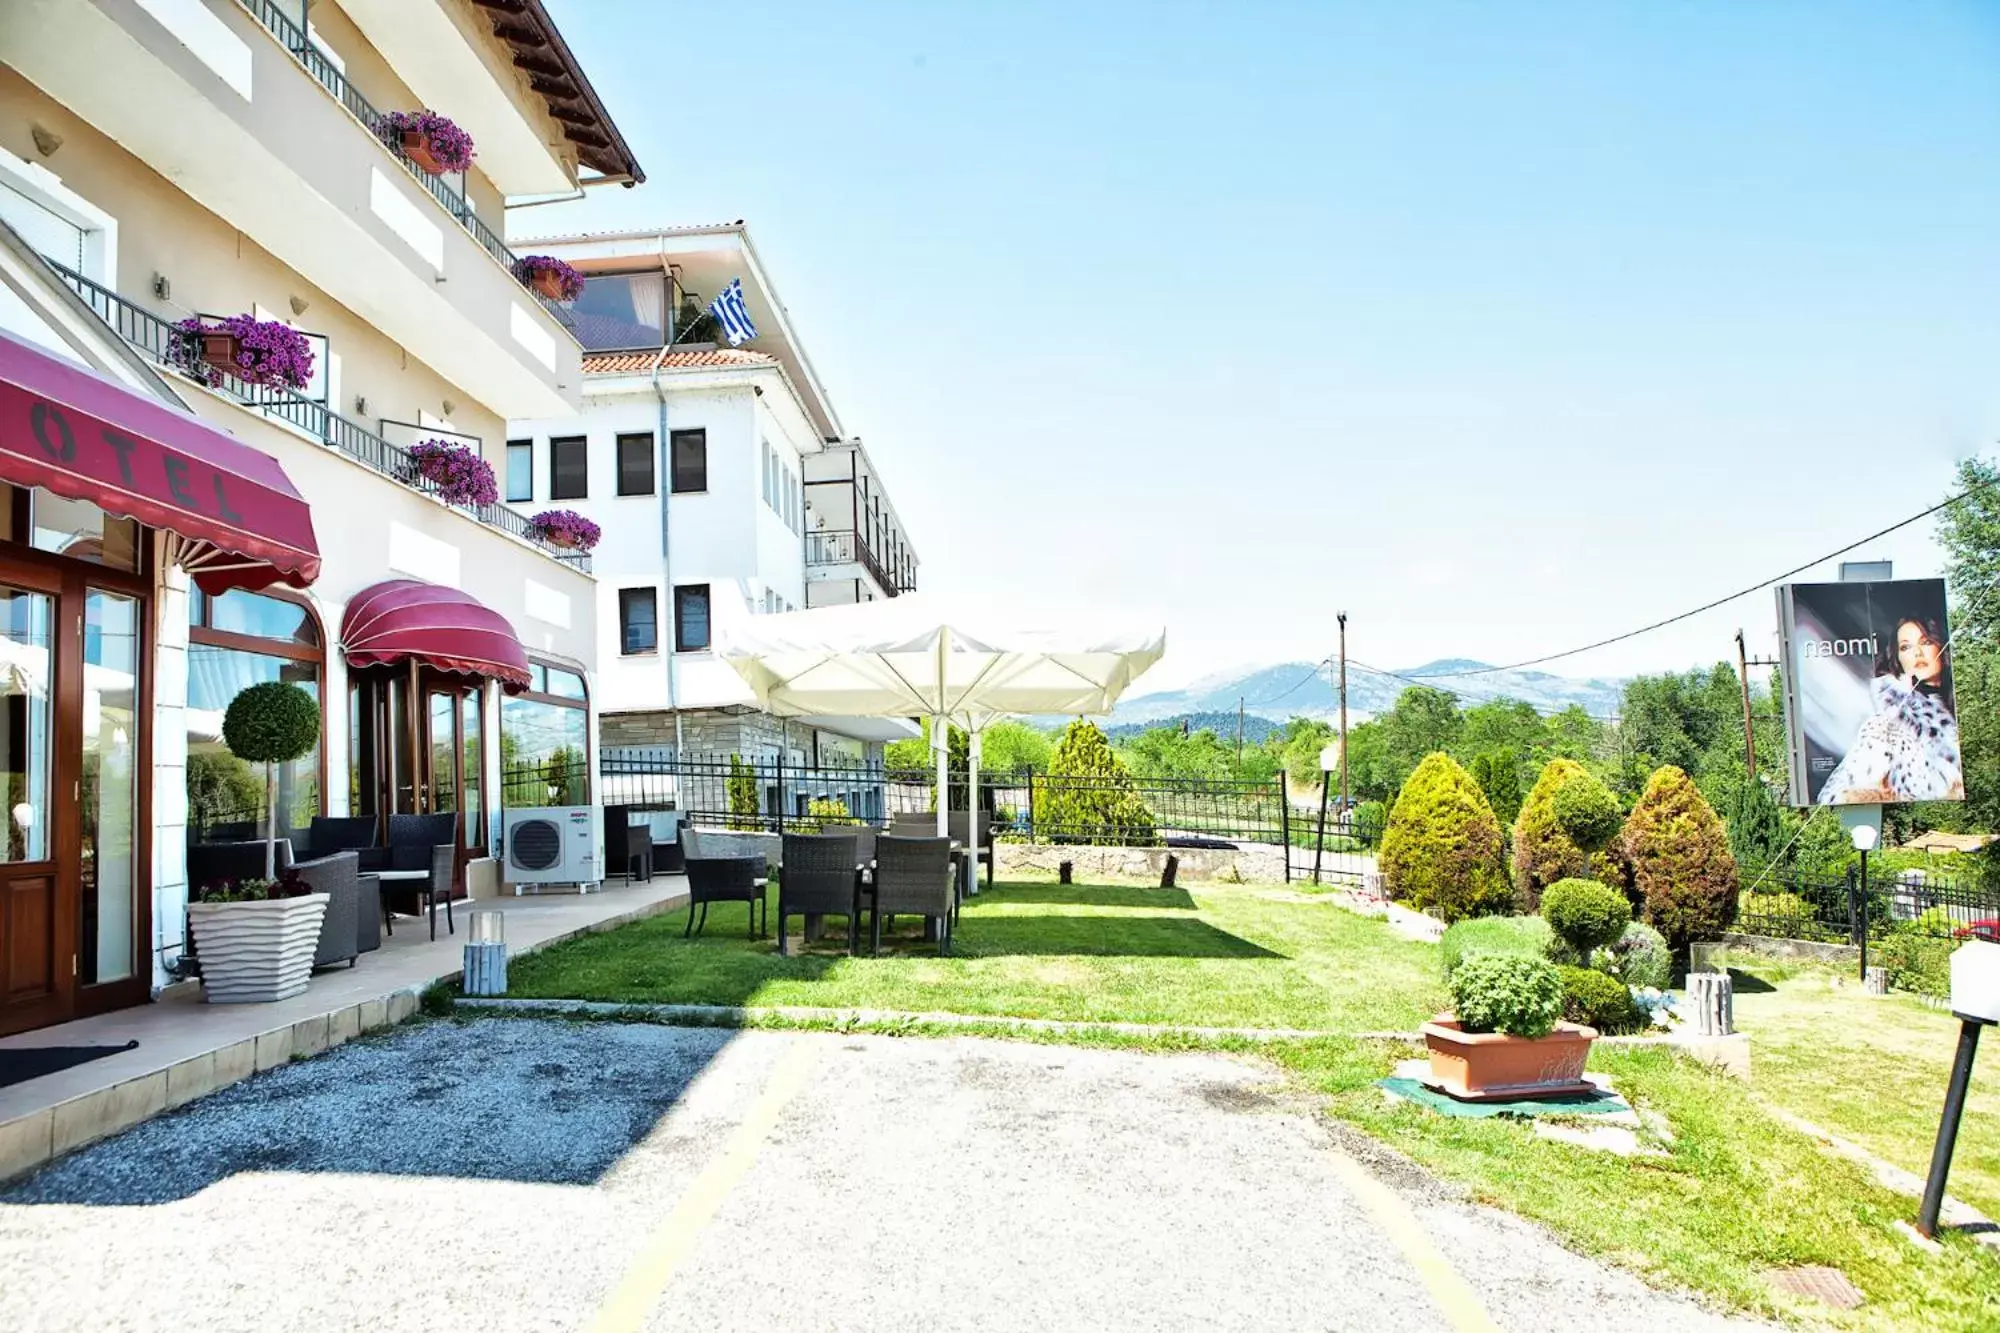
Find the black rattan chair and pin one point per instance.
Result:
(340, 930)
(628, 851)
(821, 877)
(726, 879)
(914, 877)
(427, 893)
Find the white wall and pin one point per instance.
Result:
(726, 537)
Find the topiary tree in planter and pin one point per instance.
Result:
(271, 723)
(1681, 864)
(1441, 851)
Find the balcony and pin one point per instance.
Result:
(228, 101)
(166, 346)
(825, 550)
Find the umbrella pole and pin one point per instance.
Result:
(972, 813)
(940, 741)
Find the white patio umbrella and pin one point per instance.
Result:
(916, 656)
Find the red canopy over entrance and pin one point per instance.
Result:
(240, 522)
(405, 620)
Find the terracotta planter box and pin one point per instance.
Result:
(1491, 1066)
(548, 284)
(254, 953)
(220, 349)
(417, 147)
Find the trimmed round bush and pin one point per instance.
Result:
(1681, 864)
(1543, 853)
(272, 722)
(1598, 1001)
(1587, 812)
(1441, 852)
(1510, 993)
(1585, 914)
(1641, 957)
(1528, 936)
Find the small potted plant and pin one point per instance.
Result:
(256, 938)
(460, 476)
(1504, 1039)
(549, 277)
(567, 529)
(431, 141)
(256, 351)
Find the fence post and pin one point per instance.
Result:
(1031, 807)
(781, 789)
(1319, 842)
(1285, 818)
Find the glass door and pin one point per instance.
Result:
(453, 751)
(107, 864)
(37, 930)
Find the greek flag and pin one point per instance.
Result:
(734, 316)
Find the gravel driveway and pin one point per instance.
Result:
(516, 1174)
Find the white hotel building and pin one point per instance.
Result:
(717, 474)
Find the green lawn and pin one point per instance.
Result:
(1869, 1069)
(1219, 956)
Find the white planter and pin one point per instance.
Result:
(253, 953)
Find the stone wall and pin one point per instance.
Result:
(1247, 864)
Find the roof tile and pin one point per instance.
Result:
(704, 358)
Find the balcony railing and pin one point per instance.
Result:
(166, 345)
(846, 548)
(293, 38)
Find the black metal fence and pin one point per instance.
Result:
(1111, 810)
(1787, 904)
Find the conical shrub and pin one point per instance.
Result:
(1543, 853)
(1680, 860)
(1441, 852)
(1088, 794)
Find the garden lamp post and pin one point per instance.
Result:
(1975, 1002)
(1864, 836)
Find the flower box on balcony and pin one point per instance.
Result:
(566, 529)
(256, 351)
(460, 476)
(219, 348)
(431, 141)
(549, 277)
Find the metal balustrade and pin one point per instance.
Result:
(167, 345)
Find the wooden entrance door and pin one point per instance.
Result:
(454, 736)
(38, 894)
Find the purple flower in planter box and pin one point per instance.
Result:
(568, 282)
(450, 145)
(267, 352)
(461, 476)
(566, 528)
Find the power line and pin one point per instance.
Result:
(1946, 503)
(1295, 685)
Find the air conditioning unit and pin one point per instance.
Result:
(554, 845)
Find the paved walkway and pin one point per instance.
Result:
(188, 1049)
(533, 1174)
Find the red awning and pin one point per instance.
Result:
(407, 620)
(85, 437)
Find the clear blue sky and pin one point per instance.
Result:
(1501, 326)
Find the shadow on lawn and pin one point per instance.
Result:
(1090, 895)
(981, 936)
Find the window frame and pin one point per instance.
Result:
(708, 617)
(544, 696)
(200, 634)
(651, 443)
(698, 434)
(556, 443)
(651, 593)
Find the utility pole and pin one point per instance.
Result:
(1239, 735)
(1743, 664)
(1342, 618)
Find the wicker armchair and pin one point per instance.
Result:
(821, 878)
(428, 892)
(913, 877)
(983, 849)
(339, 878)
(726, 879)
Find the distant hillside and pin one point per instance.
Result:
(1290, 689)
(1255, 728)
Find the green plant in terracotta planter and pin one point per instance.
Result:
(1504, 1038)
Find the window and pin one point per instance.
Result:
(638, 621)
(520, 470)
(544, 741)
(235, 641)
(690, 461)
(635, 464)
(569, 468)
(622, 310)
(691, 618)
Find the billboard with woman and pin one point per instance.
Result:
(1869, 711)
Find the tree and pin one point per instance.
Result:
(1014, 747)
(1088, 795)
(221, 788)
(1756, 826)
(1498, 774)
(742, 794)
(1423, 720)
(1543, 852)
(270, 723)
(1969, 531)
(1299, 745)
(1680, 860)
(1441, 852)
(1164, 752)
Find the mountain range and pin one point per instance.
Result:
(1290, 689)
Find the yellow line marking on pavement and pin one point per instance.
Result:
(653, 1267)
(1460, 1305)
